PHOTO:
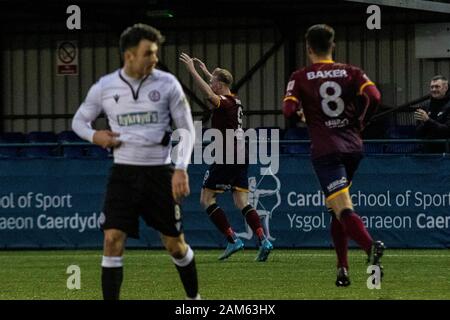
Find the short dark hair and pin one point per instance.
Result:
(223, 75)
(320, 38)
(133, 35)
(439, 77)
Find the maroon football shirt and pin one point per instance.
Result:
(327, 92)
(228, 114)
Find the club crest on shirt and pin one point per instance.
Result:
(116, 98)
(154, 95)
(290, 85)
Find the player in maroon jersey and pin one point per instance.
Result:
(337, 100)
(226, 114)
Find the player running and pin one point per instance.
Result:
(337, 100)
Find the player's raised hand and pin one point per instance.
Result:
(203, 67)
(188, 61)
(106, 139)
(180, 185)
(201, 64)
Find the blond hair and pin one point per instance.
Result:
(223, 75)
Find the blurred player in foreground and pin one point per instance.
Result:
(140, 103)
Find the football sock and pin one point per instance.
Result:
(217, 216)
(188, 273)
(252, 218)
(112, 276)
(340, 241)
(355, 229)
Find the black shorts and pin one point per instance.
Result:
(335, 172)
(141, 191)
(224, 177)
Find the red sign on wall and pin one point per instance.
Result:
(67, 58)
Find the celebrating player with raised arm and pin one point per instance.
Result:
(226, 114)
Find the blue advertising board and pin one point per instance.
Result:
(403, 200)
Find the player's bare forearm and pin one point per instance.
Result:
(200, 83)
(207, 74)
(203, 67)
(204, 87)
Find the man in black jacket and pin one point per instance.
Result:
(434, 116)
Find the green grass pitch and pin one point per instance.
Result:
(287, 275)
